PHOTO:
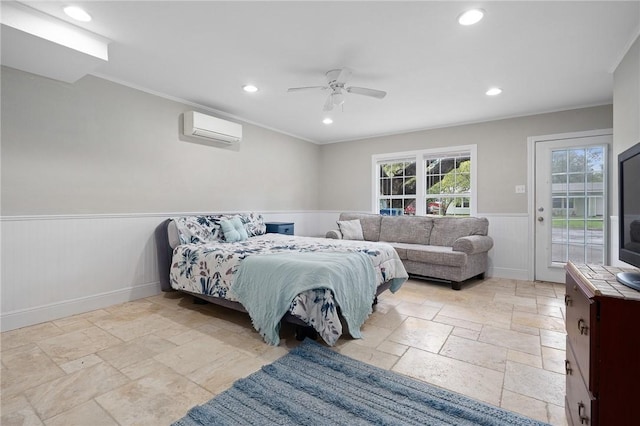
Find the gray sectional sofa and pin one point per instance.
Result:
(447, 248)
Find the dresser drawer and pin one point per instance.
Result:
(580, 406)
(579, 324)
(280, 228)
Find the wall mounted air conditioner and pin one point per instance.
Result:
(206, 127)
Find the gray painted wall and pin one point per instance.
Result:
(626, 110)
(345, 168)
(97, 147)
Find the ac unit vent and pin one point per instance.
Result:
(211, 128)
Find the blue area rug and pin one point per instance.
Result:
(313, 385)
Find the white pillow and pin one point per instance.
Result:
(351, 229)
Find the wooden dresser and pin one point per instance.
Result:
(603, 348)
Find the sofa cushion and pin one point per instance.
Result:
(448, 229)
(351, 229)
(401, 249)
(438, 255)
(370, 224)
(406, 229)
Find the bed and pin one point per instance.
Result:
(196, 258)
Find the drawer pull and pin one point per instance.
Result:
(567, 367)
(567, 300)
(582, 326)
(583, 418)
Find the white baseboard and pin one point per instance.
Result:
(513, 274)
(35, 315)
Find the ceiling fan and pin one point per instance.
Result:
(336, 80)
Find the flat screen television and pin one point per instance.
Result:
(629, 214)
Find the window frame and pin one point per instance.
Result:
(419, 157)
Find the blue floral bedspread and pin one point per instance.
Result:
(210, 268)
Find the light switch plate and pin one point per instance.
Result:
(520, 189)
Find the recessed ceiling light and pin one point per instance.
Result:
(494, 91)
(77, 13)
(471, 17)
(327, 120)
(249, 88)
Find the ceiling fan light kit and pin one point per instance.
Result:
(336, 80)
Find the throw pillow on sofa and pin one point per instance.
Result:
(351, 229)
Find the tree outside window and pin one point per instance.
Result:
(397, 188)
(448, 186)
(425, 182)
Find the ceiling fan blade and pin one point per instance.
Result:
(343, 76)
(367, 92)
(328, 105)
(299, 89)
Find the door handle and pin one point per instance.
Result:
(540, 219)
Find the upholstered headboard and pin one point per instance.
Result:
(165, 252)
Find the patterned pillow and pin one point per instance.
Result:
(198, 229)
(206, 229)
(253, 223)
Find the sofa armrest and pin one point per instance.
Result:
(334, 234)
(473, 244)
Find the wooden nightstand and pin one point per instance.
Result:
(285, 228)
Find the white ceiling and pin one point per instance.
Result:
(547, 56)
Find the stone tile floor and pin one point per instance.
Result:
(147, 362)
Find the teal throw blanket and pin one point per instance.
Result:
(266, 285)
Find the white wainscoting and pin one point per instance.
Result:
(509, 257)
(308, 223)
(56, 266)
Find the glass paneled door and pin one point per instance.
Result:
(571, 204)
(578, 205)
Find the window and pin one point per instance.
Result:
(439, 182)
(397, 182)
(448, 183)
